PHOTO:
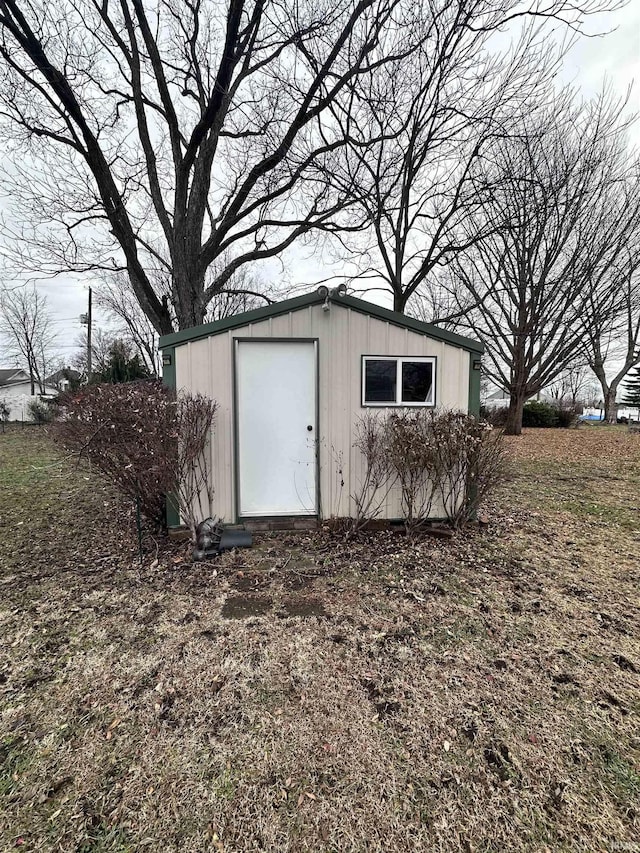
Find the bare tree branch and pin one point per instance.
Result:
(212, 129)
(25, 325)
(558, 224)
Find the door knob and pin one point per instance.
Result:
(309, 428)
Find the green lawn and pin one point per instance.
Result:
(478, 694)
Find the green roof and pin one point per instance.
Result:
(287, 305)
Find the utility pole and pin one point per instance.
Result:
(85, 320)
(89, 339)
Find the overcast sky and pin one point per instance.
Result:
(614, 56)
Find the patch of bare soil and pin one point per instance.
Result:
(476, 694)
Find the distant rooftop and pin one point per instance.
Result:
(10, 375)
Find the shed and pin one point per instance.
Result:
(291, 381)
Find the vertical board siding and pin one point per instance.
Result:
(344, 336)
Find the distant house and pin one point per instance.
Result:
(64, 379)
(500, 399)
(15, 392)
(13, 374)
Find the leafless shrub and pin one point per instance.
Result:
(147, 442)
(337, 486)
(449, 457)
(5, 411)
(412, 458)
(39, 411)
(372, 440)
(469, 461)
(128, 432)
(192, 486)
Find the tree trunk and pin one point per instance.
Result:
(513, 423)
(188, 286)
(518, 384)
(399, 302)
(158, 314)
(32, 372)
(610, 411)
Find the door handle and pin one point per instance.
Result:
(309, 428)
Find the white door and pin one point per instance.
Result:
(276, 417)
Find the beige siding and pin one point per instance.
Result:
(344, 336)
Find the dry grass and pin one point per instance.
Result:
(478, 695)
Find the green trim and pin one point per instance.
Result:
(236, 437)
(288, 305)
(474, 385)
(169, 370)
(169, 379)
(474, 406)
(237, 320)
(409, 323)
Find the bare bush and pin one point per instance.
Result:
(411, 454)
(372, 440)
(5, 411)
(39, 411)
(192, 488)
(446, 457)
(146, 441)
(470, 461)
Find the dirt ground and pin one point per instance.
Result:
(477, 694)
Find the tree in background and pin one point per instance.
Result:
(571, 385)
(101, 343)
(430, 121)
(632, 389)
(611, 320)
(113, 358)
(556, 220)
(146, 138)
(26, 328)
(123, 365)
(115, 296)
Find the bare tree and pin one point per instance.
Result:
(102, 342)
(168, 135)
(25, 324)
(116, 297)
(430, 121)
(553, 223)
(570, 385)
(593, 395)
(244, 291)
(612, 317)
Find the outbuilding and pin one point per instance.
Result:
(291, 381)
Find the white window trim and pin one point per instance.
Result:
(400, 360)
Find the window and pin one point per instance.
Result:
(398, 381)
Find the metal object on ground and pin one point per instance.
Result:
(235, 539)
(212, 539)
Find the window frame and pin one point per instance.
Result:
(399, 360)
